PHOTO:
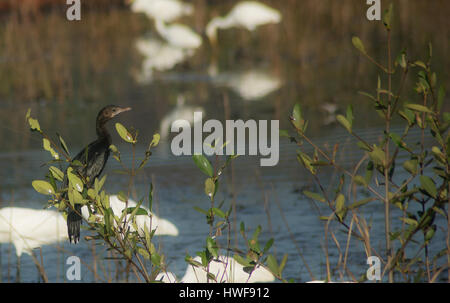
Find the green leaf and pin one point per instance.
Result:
(297, 118)
(305, 160)
(124, 133)
(268, 245)
(367, 95)
(155, 140)
(314, 196)
(56, 173)
(150, 197)
(398, 140)
(428, 185)
(34, 124)
(49, 148)
(218, 212)
(420, 64)
(369, 172)
(63, 143)
(387, 17)
(377, 155)
(210, 188)
(409, 221)
(98, 184)
(408, 115)
(359, 180)
(143, 253)
(156, 259)
(411, 166)
(74, 180)
(43, 187)
(349, 115)
(340, 206)
(419, 108)
(75, 197)
(360, 203)
(283, 263)
(341, 119)
(138, 211)
(242, 228)
(200, 210)
(211, 246)
(203, 164)
(272, 264)
(242, 261)
(357, 43)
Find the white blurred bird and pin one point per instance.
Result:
(224, 268)
(158, 56)
(163, 226)
(246, 14)
(29, 228)
(178, 35)
(165, 10)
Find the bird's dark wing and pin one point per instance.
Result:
(93, 158)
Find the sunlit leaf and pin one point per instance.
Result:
(49, 148)
(344, 122)
(56, 173)
(74, 180)
(124, 133)
(419, 108)
(357, 43)
(155, 140)
(340, 204)
(210, 187)
(43, 187)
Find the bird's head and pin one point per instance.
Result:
(110, 111)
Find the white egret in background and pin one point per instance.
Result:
(180, 112)
(178, 35)
(224, 268)
(29, 228)
(158, 56)
(163, 226)
(165, 10)
(245, 14)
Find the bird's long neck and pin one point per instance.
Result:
(102, 132)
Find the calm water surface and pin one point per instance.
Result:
(66, 71)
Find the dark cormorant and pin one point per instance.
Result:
(93, 163)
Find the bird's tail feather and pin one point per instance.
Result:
(74, 224)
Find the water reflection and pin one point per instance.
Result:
(250, 85)
(181, 111)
